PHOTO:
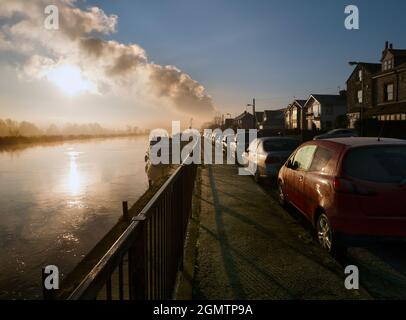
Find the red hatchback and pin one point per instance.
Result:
(348, 187)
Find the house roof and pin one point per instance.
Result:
(371, 67)
(300, 102)
(328, 99)
(243, 115)
(395, 52)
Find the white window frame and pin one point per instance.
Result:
(360, 96)
(391, 92)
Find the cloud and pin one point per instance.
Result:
(113, 67)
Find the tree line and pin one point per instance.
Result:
(12, 128)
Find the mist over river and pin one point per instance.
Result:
(57, 201)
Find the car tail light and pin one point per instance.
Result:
(346, 186)
(272, 160)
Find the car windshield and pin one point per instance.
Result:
(280, 145)
(383, 164)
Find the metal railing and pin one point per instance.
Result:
(144, 262)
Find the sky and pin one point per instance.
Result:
(222, 54)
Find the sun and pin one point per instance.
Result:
(68, 78)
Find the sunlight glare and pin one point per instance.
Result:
(69, 79)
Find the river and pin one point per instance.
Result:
(57, 201)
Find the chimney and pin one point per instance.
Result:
(343, 93)
(386, 45)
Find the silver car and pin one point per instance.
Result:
(269, 154)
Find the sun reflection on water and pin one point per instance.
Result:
(74, 182)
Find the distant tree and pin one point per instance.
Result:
(53, 130)
(28, 129)
(13, 128)
(3, 129)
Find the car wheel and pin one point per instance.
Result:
(327, 238)
(281, 194)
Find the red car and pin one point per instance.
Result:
(348, 187)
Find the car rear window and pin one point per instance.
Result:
(280, 145)
(382, 164)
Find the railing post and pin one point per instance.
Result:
(138, 265)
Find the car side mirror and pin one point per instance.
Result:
(292, 165)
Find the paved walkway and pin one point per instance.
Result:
(250, 248)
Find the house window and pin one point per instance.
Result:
(390, 64)
(393, 117)
(360, 75)
(360, 96)
(404, 116)
(389, 92)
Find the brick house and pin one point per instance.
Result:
(379, 89)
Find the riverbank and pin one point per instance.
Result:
(22, 141)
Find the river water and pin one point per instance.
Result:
(57, 201)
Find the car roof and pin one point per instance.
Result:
(343, 129)
(363, 141)
(276, 138)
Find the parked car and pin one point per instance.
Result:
(337, 133)
(269, 154)
(348, 187)
(237, 151)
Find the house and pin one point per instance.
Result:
(360, 91)
(378, 90)
(273, 119)
(322, 110)
(259, 116)
(228, 123)
(294, 115)
(244, 121)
